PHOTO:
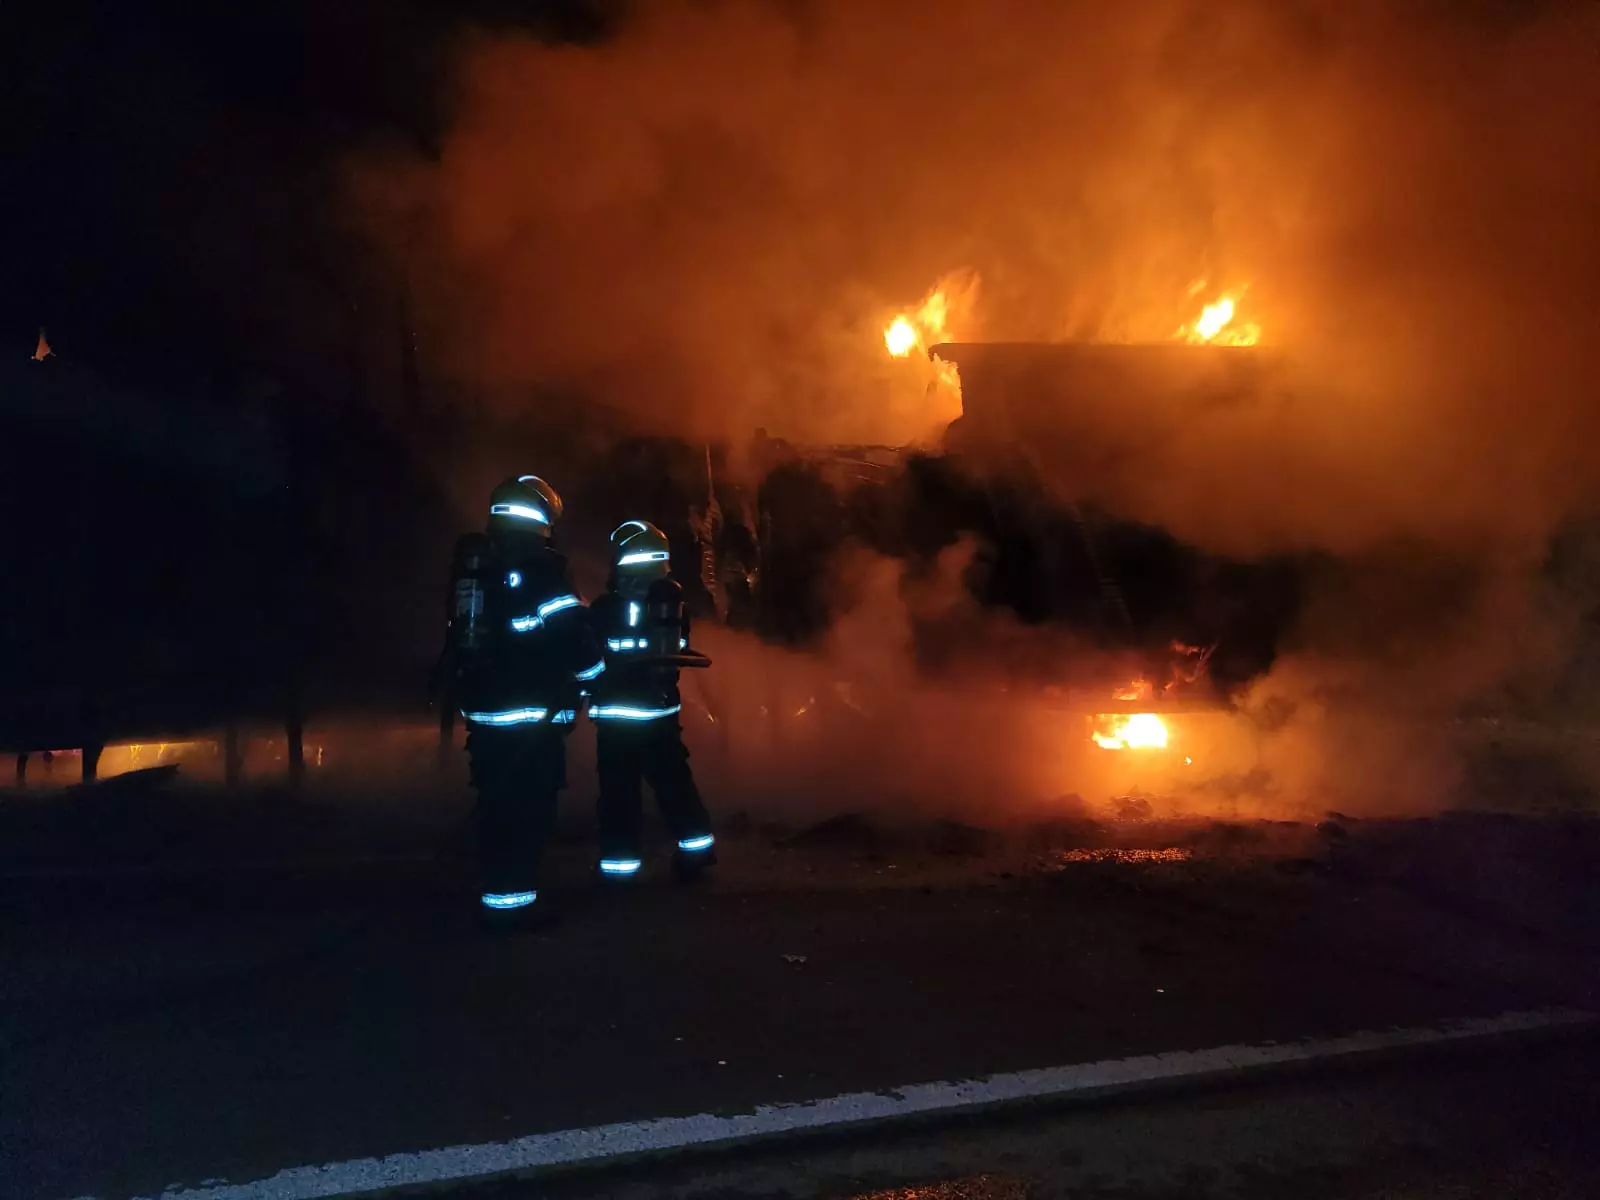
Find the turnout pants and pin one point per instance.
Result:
(630, 754)
(519, 774)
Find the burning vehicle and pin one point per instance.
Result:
(1140, 626)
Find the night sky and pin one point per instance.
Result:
(170, 182)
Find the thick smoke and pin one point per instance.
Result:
(709, 218)
(707, 221)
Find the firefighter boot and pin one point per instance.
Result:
(619, 870)
(525, 918)
(694, 856)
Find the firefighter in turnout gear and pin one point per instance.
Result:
(521, 651)
(644, 629)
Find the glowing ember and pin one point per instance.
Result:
(1117, 855)
(900, 337)
(1134, 731)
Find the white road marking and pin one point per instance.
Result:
(459, 1164)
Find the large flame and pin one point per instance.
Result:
(929, 323)
(1131, 731)
(900, 337)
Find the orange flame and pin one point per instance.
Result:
(929, 324)
(1137, 689)
(900, 337)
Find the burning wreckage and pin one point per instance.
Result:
(1149, 627)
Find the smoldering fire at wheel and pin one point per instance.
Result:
(1198, 760)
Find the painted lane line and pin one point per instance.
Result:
(459, 1164)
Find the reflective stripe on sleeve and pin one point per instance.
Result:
(627, 712)
(508, 716)
(550, 607)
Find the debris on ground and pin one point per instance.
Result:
(955, 839)
(847, 831)
(1132, 808)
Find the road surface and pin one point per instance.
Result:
(220, 1012)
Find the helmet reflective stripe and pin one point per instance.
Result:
(592, 672)
(525, 498)
(509, 899)
(639, 543)
(620, 866)
(509, 716)
(522, 512)
(556, 605)
(694, 844)
(626, 712)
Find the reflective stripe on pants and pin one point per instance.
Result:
(631, 754)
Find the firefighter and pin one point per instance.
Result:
(520, 650)
(644, 630)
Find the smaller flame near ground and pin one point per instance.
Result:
(1129, 731)
(1213, 318)
(1215, 326)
